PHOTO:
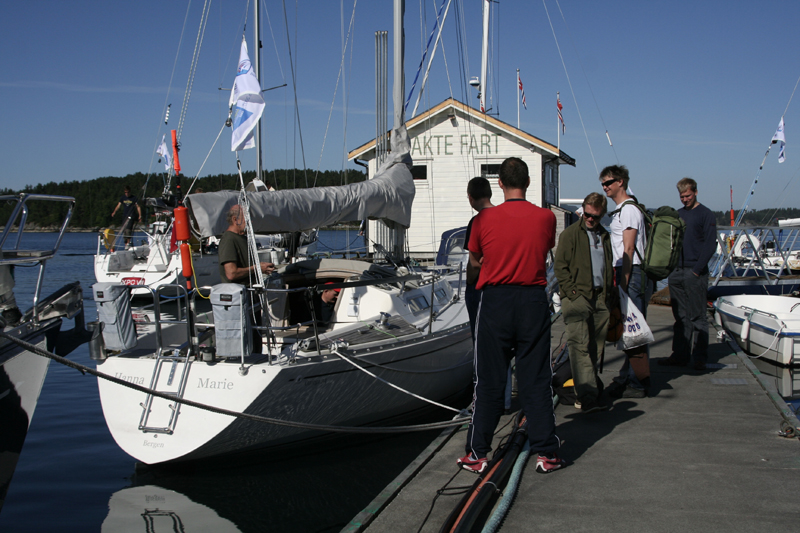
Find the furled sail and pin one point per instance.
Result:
(387, 196)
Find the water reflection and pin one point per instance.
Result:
(153, 509)
(320, 490)
(785, 379)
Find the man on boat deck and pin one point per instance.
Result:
(131, 213)
(586, 283)
(510, 243)
(628, 245)
(688, 283)
(234, 260)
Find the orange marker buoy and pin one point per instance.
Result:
(186, 261)
(181, 225)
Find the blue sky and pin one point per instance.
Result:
(684, 88)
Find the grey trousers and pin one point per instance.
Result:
(688, 294)
(586, 323)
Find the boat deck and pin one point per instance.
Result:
(701, 454)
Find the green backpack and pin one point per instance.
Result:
(664, 232)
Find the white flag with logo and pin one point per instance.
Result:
(246, 103)
(163, 151)
(780, 137)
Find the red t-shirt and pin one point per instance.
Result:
(513, 239)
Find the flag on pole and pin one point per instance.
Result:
(524, 102)
(163, 151)
(560, 116)
(781, 138)
(246, 102)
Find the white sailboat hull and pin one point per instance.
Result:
(326, 392)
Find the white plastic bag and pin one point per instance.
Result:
(636, 332)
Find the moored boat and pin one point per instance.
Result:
(22, 373)
(765, 326)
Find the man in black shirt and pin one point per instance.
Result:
(688, 284)
(131, 213)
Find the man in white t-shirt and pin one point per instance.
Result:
(627, 237)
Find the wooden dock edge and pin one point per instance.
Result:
(789, 418)
(362, 520)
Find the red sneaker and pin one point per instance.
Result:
(470, 463)
(546, 463)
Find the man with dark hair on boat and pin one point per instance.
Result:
(479, 194)
(513, 320)
(688, 283)
(586, 283)
(131, 213)
(628, 241)
(234, 258)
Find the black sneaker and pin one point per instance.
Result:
(630, 392)
(616, 389)
(12, 316)
(592, 406)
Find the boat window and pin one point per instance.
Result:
(418, 303)
(441, 295)
(419, 172)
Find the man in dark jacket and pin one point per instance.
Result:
(688, 284)
(586, 284)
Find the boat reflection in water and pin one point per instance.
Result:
(318, 491)
(153, 509)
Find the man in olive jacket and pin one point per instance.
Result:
(586, 285)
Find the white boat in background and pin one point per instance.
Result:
(764, 326)
(22, 373)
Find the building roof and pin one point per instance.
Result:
(478, 117)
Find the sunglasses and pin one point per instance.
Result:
(607, 183)
(593, 217)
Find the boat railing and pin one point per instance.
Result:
(11, 254)
(757, 251)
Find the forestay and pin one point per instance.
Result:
(387, 196)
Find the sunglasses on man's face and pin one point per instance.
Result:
(607, 183)
(593, 217)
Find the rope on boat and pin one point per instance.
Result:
(378, 365)
(255, 418)
(346, 359)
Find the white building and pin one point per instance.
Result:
(451, 144)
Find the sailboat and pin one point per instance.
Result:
(190, 385)
(22, 372)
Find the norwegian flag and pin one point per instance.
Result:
(560, 116)
(524, 102)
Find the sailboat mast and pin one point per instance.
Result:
(484, 54)
(399, 57)
(257, 63)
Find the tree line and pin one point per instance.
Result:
(758, 217)
(95, 199)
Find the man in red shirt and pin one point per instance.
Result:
(510, 243)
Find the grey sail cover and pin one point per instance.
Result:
(387, 196)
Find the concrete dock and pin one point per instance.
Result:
(702, 453)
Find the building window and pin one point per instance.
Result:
(490, 171)
(419, 172)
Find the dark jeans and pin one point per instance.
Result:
(640, 290)
(688, 294)
(513, 321)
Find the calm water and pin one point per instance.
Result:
(71, 475)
